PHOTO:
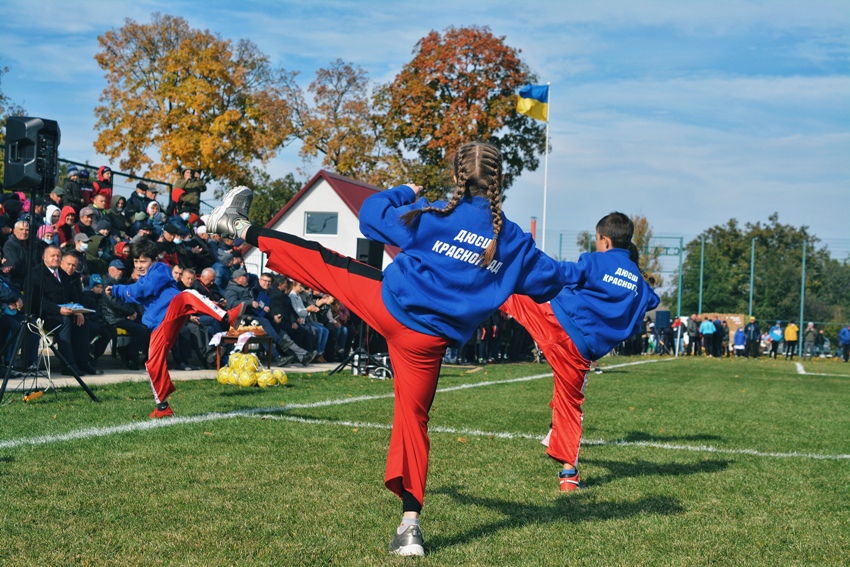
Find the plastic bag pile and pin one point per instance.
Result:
(244, 370)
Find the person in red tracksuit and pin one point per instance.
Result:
(166, 311)
(460, 261)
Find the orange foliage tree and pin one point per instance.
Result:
(190, 97)
(460, 86)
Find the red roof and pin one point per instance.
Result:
(352, 193)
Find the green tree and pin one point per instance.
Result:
(777, 273)
(190, 97)
(7, 108)
(460, 86)
(270, 195)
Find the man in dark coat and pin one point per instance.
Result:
(52, 290)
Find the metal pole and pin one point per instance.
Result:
(546, 163)
(701, 267)
(752, 274)
(679, 293)
(802, 300)
(561, 246)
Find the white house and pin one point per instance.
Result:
(325, 210)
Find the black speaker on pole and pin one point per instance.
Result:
(662, 319)
(370, 252)
(31, 153)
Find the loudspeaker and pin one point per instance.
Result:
(662, 319)
(370, 252)
(31, 153)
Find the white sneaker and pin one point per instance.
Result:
(231, 216)
(408, 543)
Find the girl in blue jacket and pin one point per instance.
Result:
(460, 261)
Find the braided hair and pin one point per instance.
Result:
(478, 172)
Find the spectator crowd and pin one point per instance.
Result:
(83, 243)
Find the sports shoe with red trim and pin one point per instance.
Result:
(568, 482)
(158, 413)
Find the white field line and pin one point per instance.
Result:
(264, 413)
(801, 370)
(537, 437)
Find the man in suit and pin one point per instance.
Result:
(52, 288)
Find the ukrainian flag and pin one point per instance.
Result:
(534, 101)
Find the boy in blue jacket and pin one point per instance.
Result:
(602, 304)
(166, 311)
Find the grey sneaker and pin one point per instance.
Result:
(232, 215)
(408, 542)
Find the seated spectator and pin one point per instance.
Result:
(52, 289)
(11, 304)
(156, 217)
(115, 215)
(126, 317)
(171, 248)
(297, 296)
(16, 253)
(86, 223)
(56, 198)
(138, 201)
(98, 206)
(100, 331)
(237, 293)
(51, 215)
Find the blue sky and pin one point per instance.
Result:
(690, 113)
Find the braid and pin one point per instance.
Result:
(478, 172)
(494, 194)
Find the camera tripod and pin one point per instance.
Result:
(376, 365)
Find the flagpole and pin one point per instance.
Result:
(546, 164)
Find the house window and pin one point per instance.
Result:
(320, 223)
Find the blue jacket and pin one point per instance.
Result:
(707, 328)
(604, 301)
(740, 338)
(435, 285)
(776, 333)
(844, 336)
(154, 291)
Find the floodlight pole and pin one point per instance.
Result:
(701, 268)
(752, 274)
(802, 300)
(679, 292)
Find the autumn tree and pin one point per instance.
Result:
(7, 108)
(190, 97)
(339, 125)
(460, 86)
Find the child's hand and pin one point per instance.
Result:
(417, 189)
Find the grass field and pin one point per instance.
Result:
(685, 462)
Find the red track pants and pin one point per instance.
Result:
(182, 306)
(568, 366)
(416, 357)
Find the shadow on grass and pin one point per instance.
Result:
(576, 507)
(619, 469)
